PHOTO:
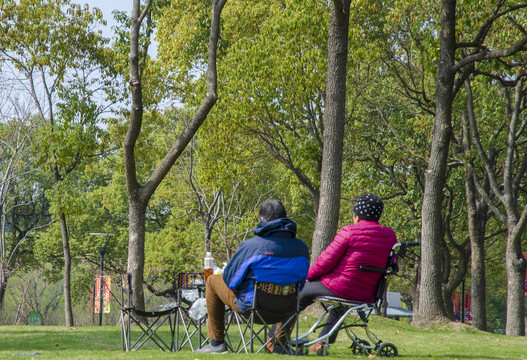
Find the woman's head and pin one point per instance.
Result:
(368, 207)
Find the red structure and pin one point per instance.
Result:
(457, 302)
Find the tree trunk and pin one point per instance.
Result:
(506, 194)
(3, 270)
(515, 264)
(68, 310)
(453, 283)
(478, 290)
(452, 276)
(514, 260)
(136, 251)
(3, 287)
(334, 118)
(477, 222)
(430, 302)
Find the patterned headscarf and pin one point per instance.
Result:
(369, 207)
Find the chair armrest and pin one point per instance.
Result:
(373, 269)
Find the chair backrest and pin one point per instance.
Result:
(392, 268)
(190, 287)
(275, 302)
(126, 290)
(190, 280)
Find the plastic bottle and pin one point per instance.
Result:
(208, 265)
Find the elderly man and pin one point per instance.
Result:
(273, 254)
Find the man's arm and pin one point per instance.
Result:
(237, 267)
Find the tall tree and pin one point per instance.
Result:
(334, 119)
(430, 302)
(506, 195)
(16, 127)
(477, 214)
(52, 47)
(450, 77)
(139, 195)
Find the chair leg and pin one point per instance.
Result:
(125, 330)
(258, 336)
(233, 319)
(191, 328)
(172, 325)
(297, 330)
(128, 333)
(254, 332)
(149, 331)
(186, 327)
(285, 346)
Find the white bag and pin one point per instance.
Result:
(198, 309)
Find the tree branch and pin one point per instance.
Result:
(201, 113)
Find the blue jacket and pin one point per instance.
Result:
(274, 255)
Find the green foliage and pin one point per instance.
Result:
(48, 250)
(54, 41)
(94, 202)
(47, 33)
(271, 76)
(182, 35)
(262, 140)
(35, 293)
(169, 252)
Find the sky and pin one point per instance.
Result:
(107, 6)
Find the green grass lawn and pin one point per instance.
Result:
(439, 342)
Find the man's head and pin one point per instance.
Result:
(271, 210)
(368, 207)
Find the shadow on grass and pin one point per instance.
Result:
(457, 356)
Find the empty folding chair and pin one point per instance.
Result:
(148, 322)
(190, 331)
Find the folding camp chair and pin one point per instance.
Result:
(149, 322)
(272, 304)
(191, 286)
(345, 307)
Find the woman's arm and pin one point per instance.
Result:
(331, 256)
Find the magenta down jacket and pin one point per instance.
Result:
(366, 243)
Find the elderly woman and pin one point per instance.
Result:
(336, 271)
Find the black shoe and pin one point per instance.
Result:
(279, 349)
